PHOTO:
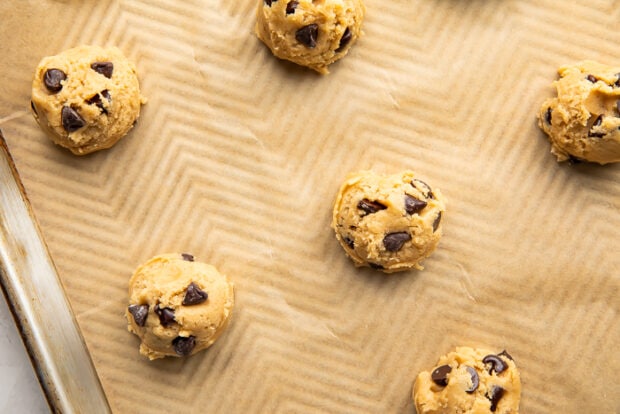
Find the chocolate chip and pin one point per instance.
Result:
(440, 375)
(548, 116)
(494, 396)
(375, 266)
(96, 100)
(53, 78)
(475, 380)
(618, 80)
(104, 68)
(139, 313)
(187, 256)
(194, 295)
(370, 207)
(71, 120)
(291, 6)
(349, 241)
(268, 2)
(506, 354)
(166, 315)
(591, 78)
(428, 193)
(184, 345)
(497, 364)
(344, 40)
(572, 160)
(308, 35)
(597, 122)
(413, 205)
(393, 242)
(436, 222)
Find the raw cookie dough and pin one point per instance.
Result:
(388, 222)
(86, 98)
(178, 306)
(308, 32)
(467, 381)
(583, 122)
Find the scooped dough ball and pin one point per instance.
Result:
(312, 33)
(86, 98)
(178, 306)
(469, 381)
(388, 222)
(583, 121)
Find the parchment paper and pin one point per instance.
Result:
(237, 158)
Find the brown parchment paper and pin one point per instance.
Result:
(237, 158)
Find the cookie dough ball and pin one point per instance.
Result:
(468, 381)
(308, 32)
(86, 98)
(583, 121)
(178, 306)
(388, 222)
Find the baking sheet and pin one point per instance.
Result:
(237, 158)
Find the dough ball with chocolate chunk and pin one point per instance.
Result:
(178, 306)
(388, 222)
(308, 32)
(583, 121)
(86, 98)
(469, 381)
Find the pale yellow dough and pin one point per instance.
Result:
(583, 121)
(388, 222)
(433, 398)
(107, 116)
(338, 27)
(163, 281)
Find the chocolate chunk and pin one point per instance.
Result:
(440, 375)
(506, 354)
(344, 40)
(139, 313)
(53, 78)
(71, 120)
(413, 205)
(370, 207)
(166, 315)
(494, 396)
(393, 242)
(349, 241)
(375, 266)
(475, 380)
(291, 6)
(269, 2)
(96, 100)
(194, 295)
(428, 193)
(597, 122)
(548, 116)
(436, 222)
(187, 256)
(497, 364)
(308, 35)
(618, 80)
(591, 78)
(104, 68)
(184, 345)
